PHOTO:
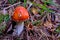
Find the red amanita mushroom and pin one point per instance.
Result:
(20, 15)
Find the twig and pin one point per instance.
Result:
(30, 4)
(58, 36)
(12, 5)
(44, 33)
(4, 10)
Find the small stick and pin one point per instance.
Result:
(4, 10)
(12, 5)
(30, 4)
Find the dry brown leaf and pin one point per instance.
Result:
(30, 27)
(48, 24)
(34, 11)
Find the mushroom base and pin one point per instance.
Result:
(18, 29)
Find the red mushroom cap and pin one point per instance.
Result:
(20, 14)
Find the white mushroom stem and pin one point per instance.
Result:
(19, 28)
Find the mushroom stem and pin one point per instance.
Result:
(19, 28)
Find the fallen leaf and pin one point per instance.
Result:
(34, 11)
(30, 26)
(48, 24)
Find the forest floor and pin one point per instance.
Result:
(43, 24)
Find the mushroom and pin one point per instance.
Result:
(19, 16)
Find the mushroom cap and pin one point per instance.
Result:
(20, 14)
